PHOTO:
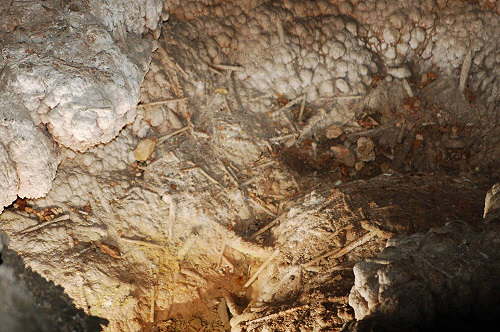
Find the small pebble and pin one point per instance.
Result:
(365, 149)
(333, 132)
(144, 149)
(343, 155)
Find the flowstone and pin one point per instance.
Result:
(66, 78)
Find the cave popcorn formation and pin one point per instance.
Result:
(160, 199)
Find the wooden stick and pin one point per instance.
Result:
(282, 138)
(262, 207)
(228, 67)
(153, 305)
(288, 105)
(268, 226)
(407, 87)
(464, 73)
(47, 223)
(261, 268)
(171, 218)
(370, 132)
(267, 95)
(221, 254)
(195, 275)
(227, 105)
(214, 181)
(302, 107)
(342, 97)
(166, 137)
(342, 251)
(141, 243)
(160, 102)
(278, 314)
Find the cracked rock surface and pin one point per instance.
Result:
(226, 201)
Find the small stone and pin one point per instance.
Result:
(333, 132)
(343, 155)
(144, 149)
(399, 72)
(365, 149)
(359, 166)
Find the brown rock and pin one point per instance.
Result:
(365, 149)
(344, 155)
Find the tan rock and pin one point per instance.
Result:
(333, 132)
(144, 149)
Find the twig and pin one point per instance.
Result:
(401, 132)
(283, 138)
(261, 268)
(267, 95)
(141, 243)
(221, 254)
(265, 165)
(227, 105)
(250, 181)
(302, 107)
(288, 105)
(214, 181)
(464, 73)
(161, 102)
(343, 97)
(407, 87)
(260, 205)
(342, 251)
(153, 305)
(371, 132)
(372, 227)
(194, 275)
(268, 226)
(166, 137)
(228, 67)
(42, 225)
(171, 218)
(278, 314)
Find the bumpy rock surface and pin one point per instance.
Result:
(450, 273)
(70, 73)
(163, 226)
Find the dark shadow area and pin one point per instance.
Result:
(485, 322)
(31, 303)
